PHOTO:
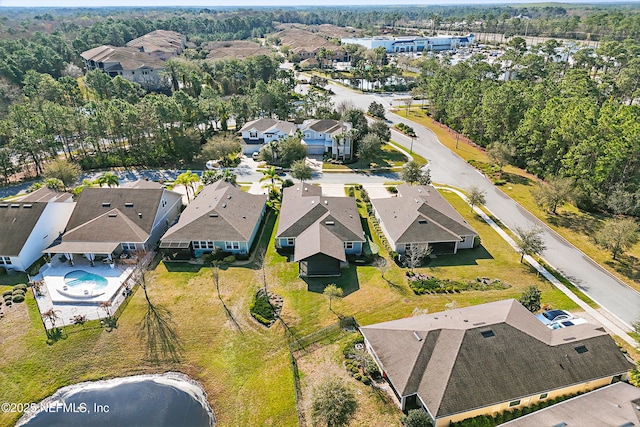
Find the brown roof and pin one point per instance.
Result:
(614, 405)
(124, 214)
(159, 40)
(300, 39)
(121, 58)
(17, 220)
(221, 212)
(420, 214)
(311, 219)
(518, 355)
(235, 49)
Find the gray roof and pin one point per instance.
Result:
(523, 357)
(266, 125)
(45, 194)
(221, 212)
(121, 58)
(614, 405)
(329, 126)
(421, 215)
(17, 220)
(320, 224)
(124, 214)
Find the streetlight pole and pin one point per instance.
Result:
(411, 149)
(457, 138)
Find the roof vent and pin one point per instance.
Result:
(422, 221)
(326, 202)
(562, 424)
(415, 334)
(416, 200)
(479, 323)
(139, 214)
(213, 215)
(28, 206)
(419, 190)
(487, 334)
(569, 339)
(306, 189)
(629, 424)
(15, 206)
(106, 205)
(128, 204)
(113, 215)
(224, 205)
(4, 205)
(580, 349)
(329, 223)
(229, 196)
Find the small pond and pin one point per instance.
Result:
(170, 399)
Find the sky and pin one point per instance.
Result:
(241, 3)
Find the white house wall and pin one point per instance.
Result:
(165, 216)
(50, 225)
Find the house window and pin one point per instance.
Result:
(129, 246)
(232, 245)
(210, 245)
(543, 396)
(348, 245)
(291, 241)
(5, 260)
(514, 403)
(253, 135)
(196, 245)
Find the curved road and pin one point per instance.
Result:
(448, 168)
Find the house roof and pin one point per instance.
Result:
(104, 215)
(121, 58)
(313, 219)
(421, 214)
(159, 40)
(269, 125)
(17, 220)
(329, 126)
(614, 405)
(45, 194)
(519, 356)
(221, 212)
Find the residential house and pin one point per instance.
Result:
(127, 62)
(122, 222)
(489, 358)
(30, 224)
(222, 216)
(161, 44)
(614, 405)
(327, 136)
(321, 230)
(420, 217)
(258, 132)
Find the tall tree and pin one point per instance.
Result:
(554, 193)
(476, 196)
(369, 148)
(189, 180)
(617, 235)
(63, 170)
(332, 291)
(529, 241)
(332, 403)
(301, 170)
(530, 298)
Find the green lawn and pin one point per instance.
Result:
(243, 366)
(389, 157)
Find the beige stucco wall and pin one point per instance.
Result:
(525, 401)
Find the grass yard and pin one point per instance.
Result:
(244, 367)
(577, 226)
(389, 157)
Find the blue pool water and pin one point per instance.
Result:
(81, 277)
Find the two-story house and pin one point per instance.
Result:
(258, 132)
(328, 136)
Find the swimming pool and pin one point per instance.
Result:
(82, 284)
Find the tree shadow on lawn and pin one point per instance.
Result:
(463, 257)
(627, 265)
(585, 225)
(182, 267)
(348, 281)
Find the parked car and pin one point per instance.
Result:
(566, 323)
(255, 156)
(212, 165)
(551, 316)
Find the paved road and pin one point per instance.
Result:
(447, 168)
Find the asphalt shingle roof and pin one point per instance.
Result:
(17, 220)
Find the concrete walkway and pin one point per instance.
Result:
(614, 327)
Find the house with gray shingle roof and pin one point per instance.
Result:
(328, 136)
(30, 224)
(489, 358)
(420, 217)
(161, 44)
(110, 221)
(258, 132)
(221, 216)
(321, 230)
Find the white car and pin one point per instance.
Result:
(255, 156)
(566, 323)
(212, 164)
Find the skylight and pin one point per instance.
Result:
(581, 349)
(488, 334)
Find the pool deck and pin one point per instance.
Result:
(68, 307)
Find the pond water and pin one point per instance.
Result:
(170, 399)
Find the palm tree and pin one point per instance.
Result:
(109, 179)
(271, 174)
(52, 316)
(188, 179)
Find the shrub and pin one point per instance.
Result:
(20, 286)
(3, 271)
(18, 298)
(229, 259)
(7, 302)
(351, 192)
(261, 309)
(5, 293)
(18, 292)
(392, 189)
